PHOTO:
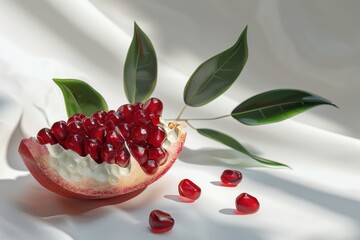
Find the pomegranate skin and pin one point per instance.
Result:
(36, 158)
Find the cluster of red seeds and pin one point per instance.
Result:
(109, 136)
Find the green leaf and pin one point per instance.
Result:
(140, 69)
(276, 105)
(217, 74)
(80, 97)
(231, 142)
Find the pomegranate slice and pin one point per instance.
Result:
(104, 159)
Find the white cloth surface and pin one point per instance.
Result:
(309, 45)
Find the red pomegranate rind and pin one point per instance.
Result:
(36, 158)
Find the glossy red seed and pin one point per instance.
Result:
(76, 117)
(75, 143)
(125, 130)
(153, 106)
(138, 106)
(139, 134)
(60, 130)
(231, 177)
(113, 116)
(109, 125)
(45, 136)
(122, 157)
(160, 221)
(114, 138)
(140, 118)
(126, 111)
(246, 204)
(92, 147)
(75, 127)
(90, 123)
(99, 115)
(138, 152)
(157, 136)
(98, 133)
(150, 166)
(108, 153)
(189, 189)
(158, 154)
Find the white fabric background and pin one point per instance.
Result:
(310, 45)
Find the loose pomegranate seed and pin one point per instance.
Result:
(154, 119)
(157, 136)
(125, 130)
(75, 143)
(45, 136)
(126, 111)
(108, 153)
(60, 130)
(75, 127)
(231, 177)
(92, 147)
(139, 153)
(99, 115)
(140, 118)
(98, 133)
(247, 204)
(150, 166)
(139, 134)
(160, 221)
(158, 154)
(114, 138)
(90, 123)
(122, 157)
(76, 117)
(153, 106)
(189, 189)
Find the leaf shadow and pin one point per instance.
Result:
(217, 157)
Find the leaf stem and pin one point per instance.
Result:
(187, 122)
(182, 110)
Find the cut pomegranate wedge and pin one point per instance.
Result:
(105, 155)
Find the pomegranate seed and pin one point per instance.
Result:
(60, 130)
(158, 154)
(126, 111)
(139, 134)
(45, 136)
(122, 157)
(138, 106)
(160, 221)
(153, 106)
(90, 123)
(189, 189)
(75, 127)
(125, 130)
(113, 116)
(98, 133)
(154, 119)
(75, 143)
(157, 136)
(92, 147)
(150, 166)
(109, 125)
(108, 153)
(76, 117)
(114, 138)
(231, 177)
(247, 204)
(138, 152)
(99, 115)
(140, 118)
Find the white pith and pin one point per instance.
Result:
(74, 168)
